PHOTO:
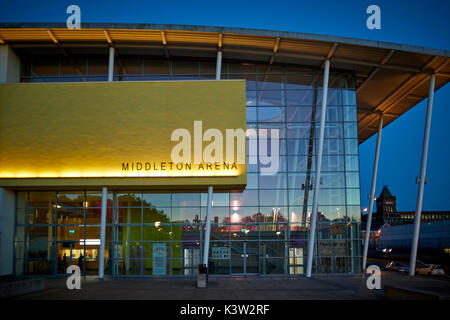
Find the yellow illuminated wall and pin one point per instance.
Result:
(80, 134)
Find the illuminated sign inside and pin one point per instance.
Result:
(120, 134)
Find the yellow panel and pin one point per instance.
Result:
(84, 134)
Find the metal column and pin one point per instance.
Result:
(208, 226)
(101, 262)
(372, 192)
(111, 64)
(423, 170)
(323, 112)
(219, 64)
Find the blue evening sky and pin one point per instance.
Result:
(421, 23)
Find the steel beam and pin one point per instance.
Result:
(323, 111)
(423, 171)
(372, 192)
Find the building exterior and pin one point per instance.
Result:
(260, 224)
(387, 215)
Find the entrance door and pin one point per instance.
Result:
(244, 257)
(65, 256)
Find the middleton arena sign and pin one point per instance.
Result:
(123, 134)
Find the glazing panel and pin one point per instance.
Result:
(299, 114)
(129, 199)
(270, 81)
(269, 98)
(245, 215)
(348, 97)
(185, 199)
(70, 215)
(352, 179)
(353, 197)
(251, 114)
(271, 114)
(42, 199)
(299, 81)
(351, 130)
(218, 214)
(275, 181)
(41, 215)
(219, 199)
(153, 66)
(273, 215)
(156, 199)
(351, 146)
(129, 215)
(245, 198)
(70, 199)
(252, 181)
(186, 215)
(273, 197)
(351, 163)
(156, 215)
(300, 97)
(349, 113)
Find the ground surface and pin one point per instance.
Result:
(323, 287)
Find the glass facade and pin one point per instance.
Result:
(263, 230)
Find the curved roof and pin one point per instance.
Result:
(391, 78)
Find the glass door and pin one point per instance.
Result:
(244, 257)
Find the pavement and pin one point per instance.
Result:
(318, 287)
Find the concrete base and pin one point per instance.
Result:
(17, 288)
(202, 280)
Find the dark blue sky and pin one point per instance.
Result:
(422, 23)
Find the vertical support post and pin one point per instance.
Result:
(372, 192)
(208, 227)
(111, 64)
(101, 262)
(423, 171)
(323, 112)
(219, 64)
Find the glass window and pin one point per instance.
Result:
(273, 197)
(275, 181)
(352, 179)
(299, 80)
(161, 67)
(129, 66)
(299, 114)
(269, 98)
(300, 97)
(219, 199)
(98, 65)
(349, 113)
(156, 215)
(42, 199)
(70, 199)
(246, 198)
(186, 215)
(185, 199)
(129, 199)
(351, 146)
(351, 129)
(271, 114)
(185, 67)
(270, 81)
(156, 199)
(219, 215)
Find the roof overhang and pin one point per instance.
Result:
(390, 78)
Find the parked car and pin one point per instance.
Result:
(376, 263)
(383, 250)
(430, 269)
(396, 266)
